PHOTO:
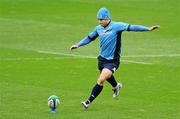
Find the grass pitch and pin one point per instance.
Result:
(35, 61)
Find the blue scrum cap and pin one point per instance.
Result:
(103, 14)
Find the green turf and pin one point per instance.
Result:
(35, 61)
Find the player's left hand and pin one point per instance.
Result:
(154, 27)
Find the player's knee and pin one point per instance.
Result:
(105, 74)
(101, 80)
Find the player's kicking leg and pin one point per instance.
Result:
(116, 86)
(116, 90)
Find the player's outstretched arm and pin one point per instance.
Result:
(84, 41)
(154, 27)
(142, 28)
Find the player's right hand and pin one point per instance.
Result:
(74, 47)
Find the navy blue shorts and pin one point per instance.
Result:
(109, 64)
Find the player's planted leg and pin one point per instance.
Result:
(105, 74)
(95, 92)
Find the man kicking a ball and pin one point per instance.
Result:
(109, 33)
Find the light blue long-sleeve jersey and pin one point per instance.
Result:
(110, 38)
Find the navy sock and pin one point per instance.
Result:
(95, 92)
(112, 81)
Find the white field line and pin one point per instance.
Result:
(135, 62)
(81, 56)
(139, 56)
(57, 58)
(131, 56)
(92, 57)
(63, 54)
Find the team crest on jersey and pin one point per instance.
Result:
(108, 29)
